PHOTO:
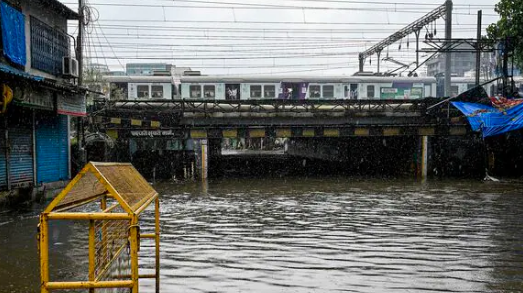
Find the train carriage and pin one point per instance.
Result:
(462, 84)
(141, 87)
(287, 87)
(309, 87)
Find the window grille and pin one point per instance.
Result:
(48, 47)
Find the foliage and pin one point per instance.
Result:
(510, 26)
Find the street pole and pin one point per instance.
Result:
(417, 47)
(478, 49)
(80, 41)
(362, 60)
(79, 55)
(448, 54)
(379, 57)
(505, 67)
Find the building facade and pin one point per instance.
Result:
(460, 64)
(146, 68)
(149, 69)
(38, 97)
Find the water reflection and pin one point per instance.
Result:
(315, 235)
(339, 235)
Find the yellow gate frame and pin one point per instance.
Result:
(101, 182)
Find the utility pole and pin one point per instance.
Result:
(79, 55)
(478, 49)
(80, 41)
(448, 37)
(417, 47)
(505, 66)
(379, 59)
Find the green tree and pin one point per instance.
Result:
(510, 26)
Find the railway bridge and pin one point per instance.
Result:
(363, 134)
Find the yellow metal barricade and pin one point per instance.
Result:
(110, 197)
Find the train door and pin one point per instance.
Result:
(353, 94)
(232, 91)
(293, 90)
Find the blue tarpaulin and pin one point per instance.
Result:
(13, 33)
(490, 120)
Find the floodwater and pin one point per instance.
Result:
(307, 235)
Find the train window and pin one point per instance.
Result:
(256, 91)
(370, 91)
(454, 90)
(328, 91)
(232, 91)
(269, 91)
(209, 91)
(142, 91)
(315, 91)
(157, 91)
(353, 91)
(195, 91)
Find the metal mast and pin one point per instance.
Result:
(415, 27)
(448, 37)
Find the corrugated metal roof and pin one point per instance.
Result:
(11, 70)
(4, 68)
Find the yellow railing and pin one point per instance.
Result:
(114, 232)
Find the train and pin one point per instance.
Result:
(462, 84)
(224, 87)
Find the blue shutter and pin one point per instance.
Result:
(21, 155)
(3, 165)
(52, 148)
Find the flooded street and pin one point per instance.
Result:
(309, 235)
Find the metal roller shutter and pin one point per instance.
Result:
(3, 161)
(21, 156)
(52, 148)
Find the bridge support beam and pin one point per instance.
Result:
(424, 158)
(201, 158)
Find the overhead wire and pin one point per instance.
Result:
(205, 4)
(336, 43)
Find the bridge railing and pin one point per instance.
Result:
(265, 105)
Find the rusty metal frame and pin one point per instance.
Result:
(266, 105)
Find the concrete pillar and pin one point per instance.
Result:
(201, 157)
(424, 157)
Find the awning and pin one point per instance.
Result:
(11, 70)
(45, 82)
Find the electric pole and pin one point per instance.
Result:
(80, 41)
(79, 55)
(478, 49)
(448, 54)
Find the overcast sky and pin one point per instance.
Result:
(264, 36)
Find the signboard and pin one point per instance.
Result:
(72, 105)
(39, 99)
(152, 133)
(401, 93)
